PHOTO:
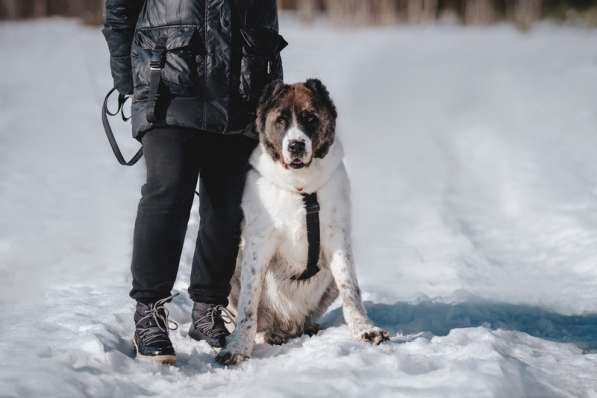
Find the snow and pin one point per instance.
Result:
(471, 153)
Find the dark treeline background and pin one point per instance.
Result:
(90, 10)
(475, 12)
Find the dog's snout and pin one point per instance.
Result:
(296, 147)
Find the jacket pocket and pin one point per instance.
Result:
(260, 62)
(179, 74)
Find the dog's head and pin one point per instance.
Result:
(296, 123)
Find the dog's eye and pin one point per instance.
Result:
(281, 120)
(310, 118)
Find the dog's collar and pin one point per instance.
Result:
(313, 240)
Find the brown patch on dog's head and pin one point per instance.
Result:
(296, 122)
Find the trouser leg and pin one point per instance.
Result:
(222, 183)
(172, 161)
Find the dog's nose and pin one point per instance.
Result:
(296, 147)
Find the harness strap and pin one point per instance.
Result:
(156, 65)
(313, 239)
(105, 113)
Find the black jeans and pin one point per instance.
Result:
(174, 159)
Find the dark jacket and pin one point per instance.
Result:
(217, 55)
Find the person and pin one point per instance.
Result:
(195, 70)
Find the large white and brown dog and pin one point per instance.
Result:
(298, 153)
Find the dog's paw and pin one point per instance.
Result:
(228, 358)
(276, 338)
(311, 329)
(374, 336)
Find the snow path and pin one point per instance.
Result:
(471, 154)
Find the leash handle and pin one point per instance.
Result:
(108, 129)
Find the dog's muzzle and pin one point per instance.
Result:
(297, 151)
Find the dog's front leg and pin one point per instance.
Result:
(343, 271)
(257, 254)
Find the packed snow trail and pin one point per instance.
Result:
(471, 153)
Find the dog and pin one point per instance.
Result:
(298, 153)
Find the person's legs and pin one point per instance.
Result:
(222, 183)
(223, 173)
(172, 161)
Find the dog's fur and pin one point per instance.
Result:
(274, 237)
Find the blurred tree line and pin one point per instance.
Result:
(90, 10)
(476, 12)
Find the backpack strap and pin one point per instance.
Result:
(156, 64)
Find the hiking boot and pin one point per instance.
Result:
(151, 338)
(209, 323)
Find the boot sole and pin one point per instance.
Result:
(159, 359)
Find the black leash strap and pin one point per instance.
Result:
(105, 113)
(155, 79)
(312, 208)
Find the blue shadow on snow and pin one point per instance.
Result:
(439, 318)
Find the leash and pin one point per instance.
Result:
(312, 208)
(155, 77)
(110, 134)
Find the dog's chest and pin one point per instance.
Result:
(267, 206)
(291, 227)
(290, 223)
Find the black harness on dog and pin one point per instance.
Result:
(312, 209)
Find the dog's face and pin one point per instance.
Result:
(297, 122)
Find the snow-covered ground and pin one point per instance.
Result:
(471, 153)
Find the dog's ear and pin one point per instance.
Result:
(322, 95)
(267, 101)
(328, 119)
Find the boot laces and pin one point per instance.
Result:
(208, 320)
(161, 325)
